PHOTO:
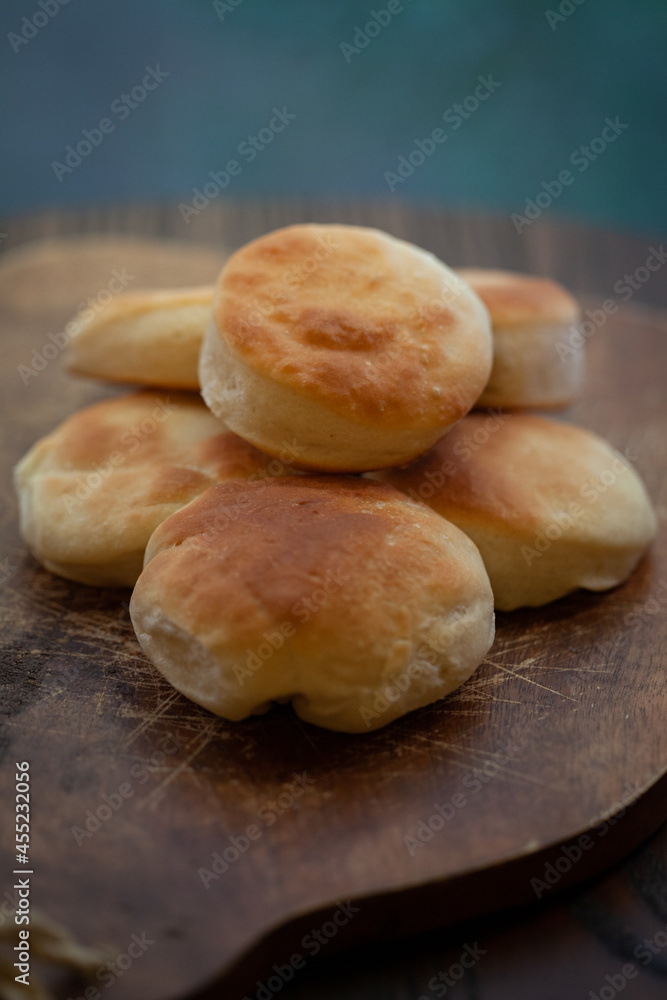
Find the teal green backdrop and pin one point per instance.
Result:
(381, 100)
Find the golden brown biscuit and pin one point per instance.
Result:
(149, 337)
(335, 593)
(93, 491)
(360, 346)
(550, 506)
(534, 362)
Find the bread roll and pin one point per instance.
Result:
(361, 347)
(143, 337)
(335, 593)
(93, 491)
(550, 506)
(537, 362)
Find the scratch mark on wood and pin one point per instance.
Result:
(157, 793)
(529, 680)
(153, 717)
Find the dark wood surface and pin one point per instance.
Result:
(567, 712)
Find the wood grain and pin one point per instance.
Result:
(558, 949)
(567, 713)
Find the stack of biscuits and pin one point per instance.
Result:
(359, 484)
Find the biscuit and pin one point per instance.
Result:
(550, 506)
(94, 490)
(536, 360)
(334, 593)
(360, 346)
(149, 337)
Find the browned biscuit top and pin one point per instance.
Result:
(521, 471)
(517, 299)
(173, 434)
(148, 300)
(123, 459)
(93, 491)
(377, 329)
(258, 549)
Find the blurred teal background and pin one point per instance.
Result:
(561, 74)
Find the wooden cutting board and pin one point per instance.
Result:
(562, 726)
